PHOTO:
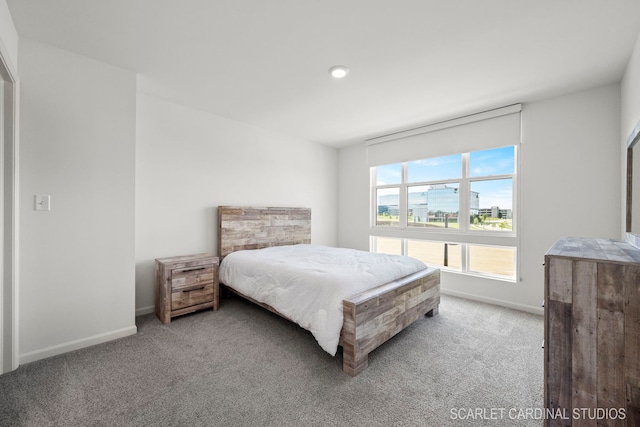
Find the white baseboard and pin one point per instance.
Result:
(145, 310)
(75, 345)
(501, 303)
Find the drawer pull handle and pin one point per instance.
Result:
(196, 289)
(193, 269)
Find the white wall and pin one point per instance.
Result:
(630, 118)
(569, 185)
(631, 93)
(353, 198)
(188, 162)
(78, 145)
(8, 36)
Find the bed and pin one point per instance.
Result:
(369, 318)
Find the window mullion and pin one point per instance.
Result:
(464, 262)
(404, 204)
(373, 176)
(404, 199)
(464, 211)
(463, 216)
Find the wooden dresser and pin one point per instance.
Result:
(592, 333)
(185, 284)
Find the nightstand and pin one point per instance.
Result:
(185, 284)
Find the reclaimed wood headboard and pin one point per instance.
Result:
(242, 227)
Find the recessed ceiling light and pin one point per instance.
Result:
(338, 71)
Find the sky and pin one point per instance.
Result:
(486, 163)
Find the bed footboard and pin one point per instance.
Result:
(374, 316)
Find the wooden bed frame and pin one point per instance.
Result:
(371, 317)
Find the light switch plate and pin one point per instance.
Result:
(43, 203)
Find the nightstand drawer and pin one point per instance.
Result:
(190, 277)
(187, 298)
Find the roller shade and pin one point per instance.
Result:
(482, 131)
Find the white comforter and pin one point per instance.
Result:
(307, 283)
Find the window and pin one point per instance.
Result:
(440, 254)
(388, 246)
(456, 211)
(499, 261)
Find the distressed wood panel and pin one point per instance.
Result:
(632, 326)
(584, 338)
(242, 228)
(610, 350)
(561, 274)
(592, 342)
(610, 357)
(191, 277)
(558, 363)
(633, 405)
(185, 298)
(595, 249)
(611, 286)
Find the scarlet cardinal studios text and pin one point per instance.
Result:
(538, 413)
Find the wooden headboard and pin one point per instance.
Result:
(242, 227)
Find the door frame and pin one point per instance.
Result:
(9, 96)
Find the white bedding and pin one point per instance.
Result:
(307, 283)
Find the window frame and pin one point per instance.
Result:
(463, 234)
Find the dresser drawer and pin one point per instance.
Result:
(186, 298)
(190, 277)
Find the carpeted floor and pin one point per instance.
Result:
(472, 364)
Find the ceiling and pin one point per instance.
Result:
(412, 62)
